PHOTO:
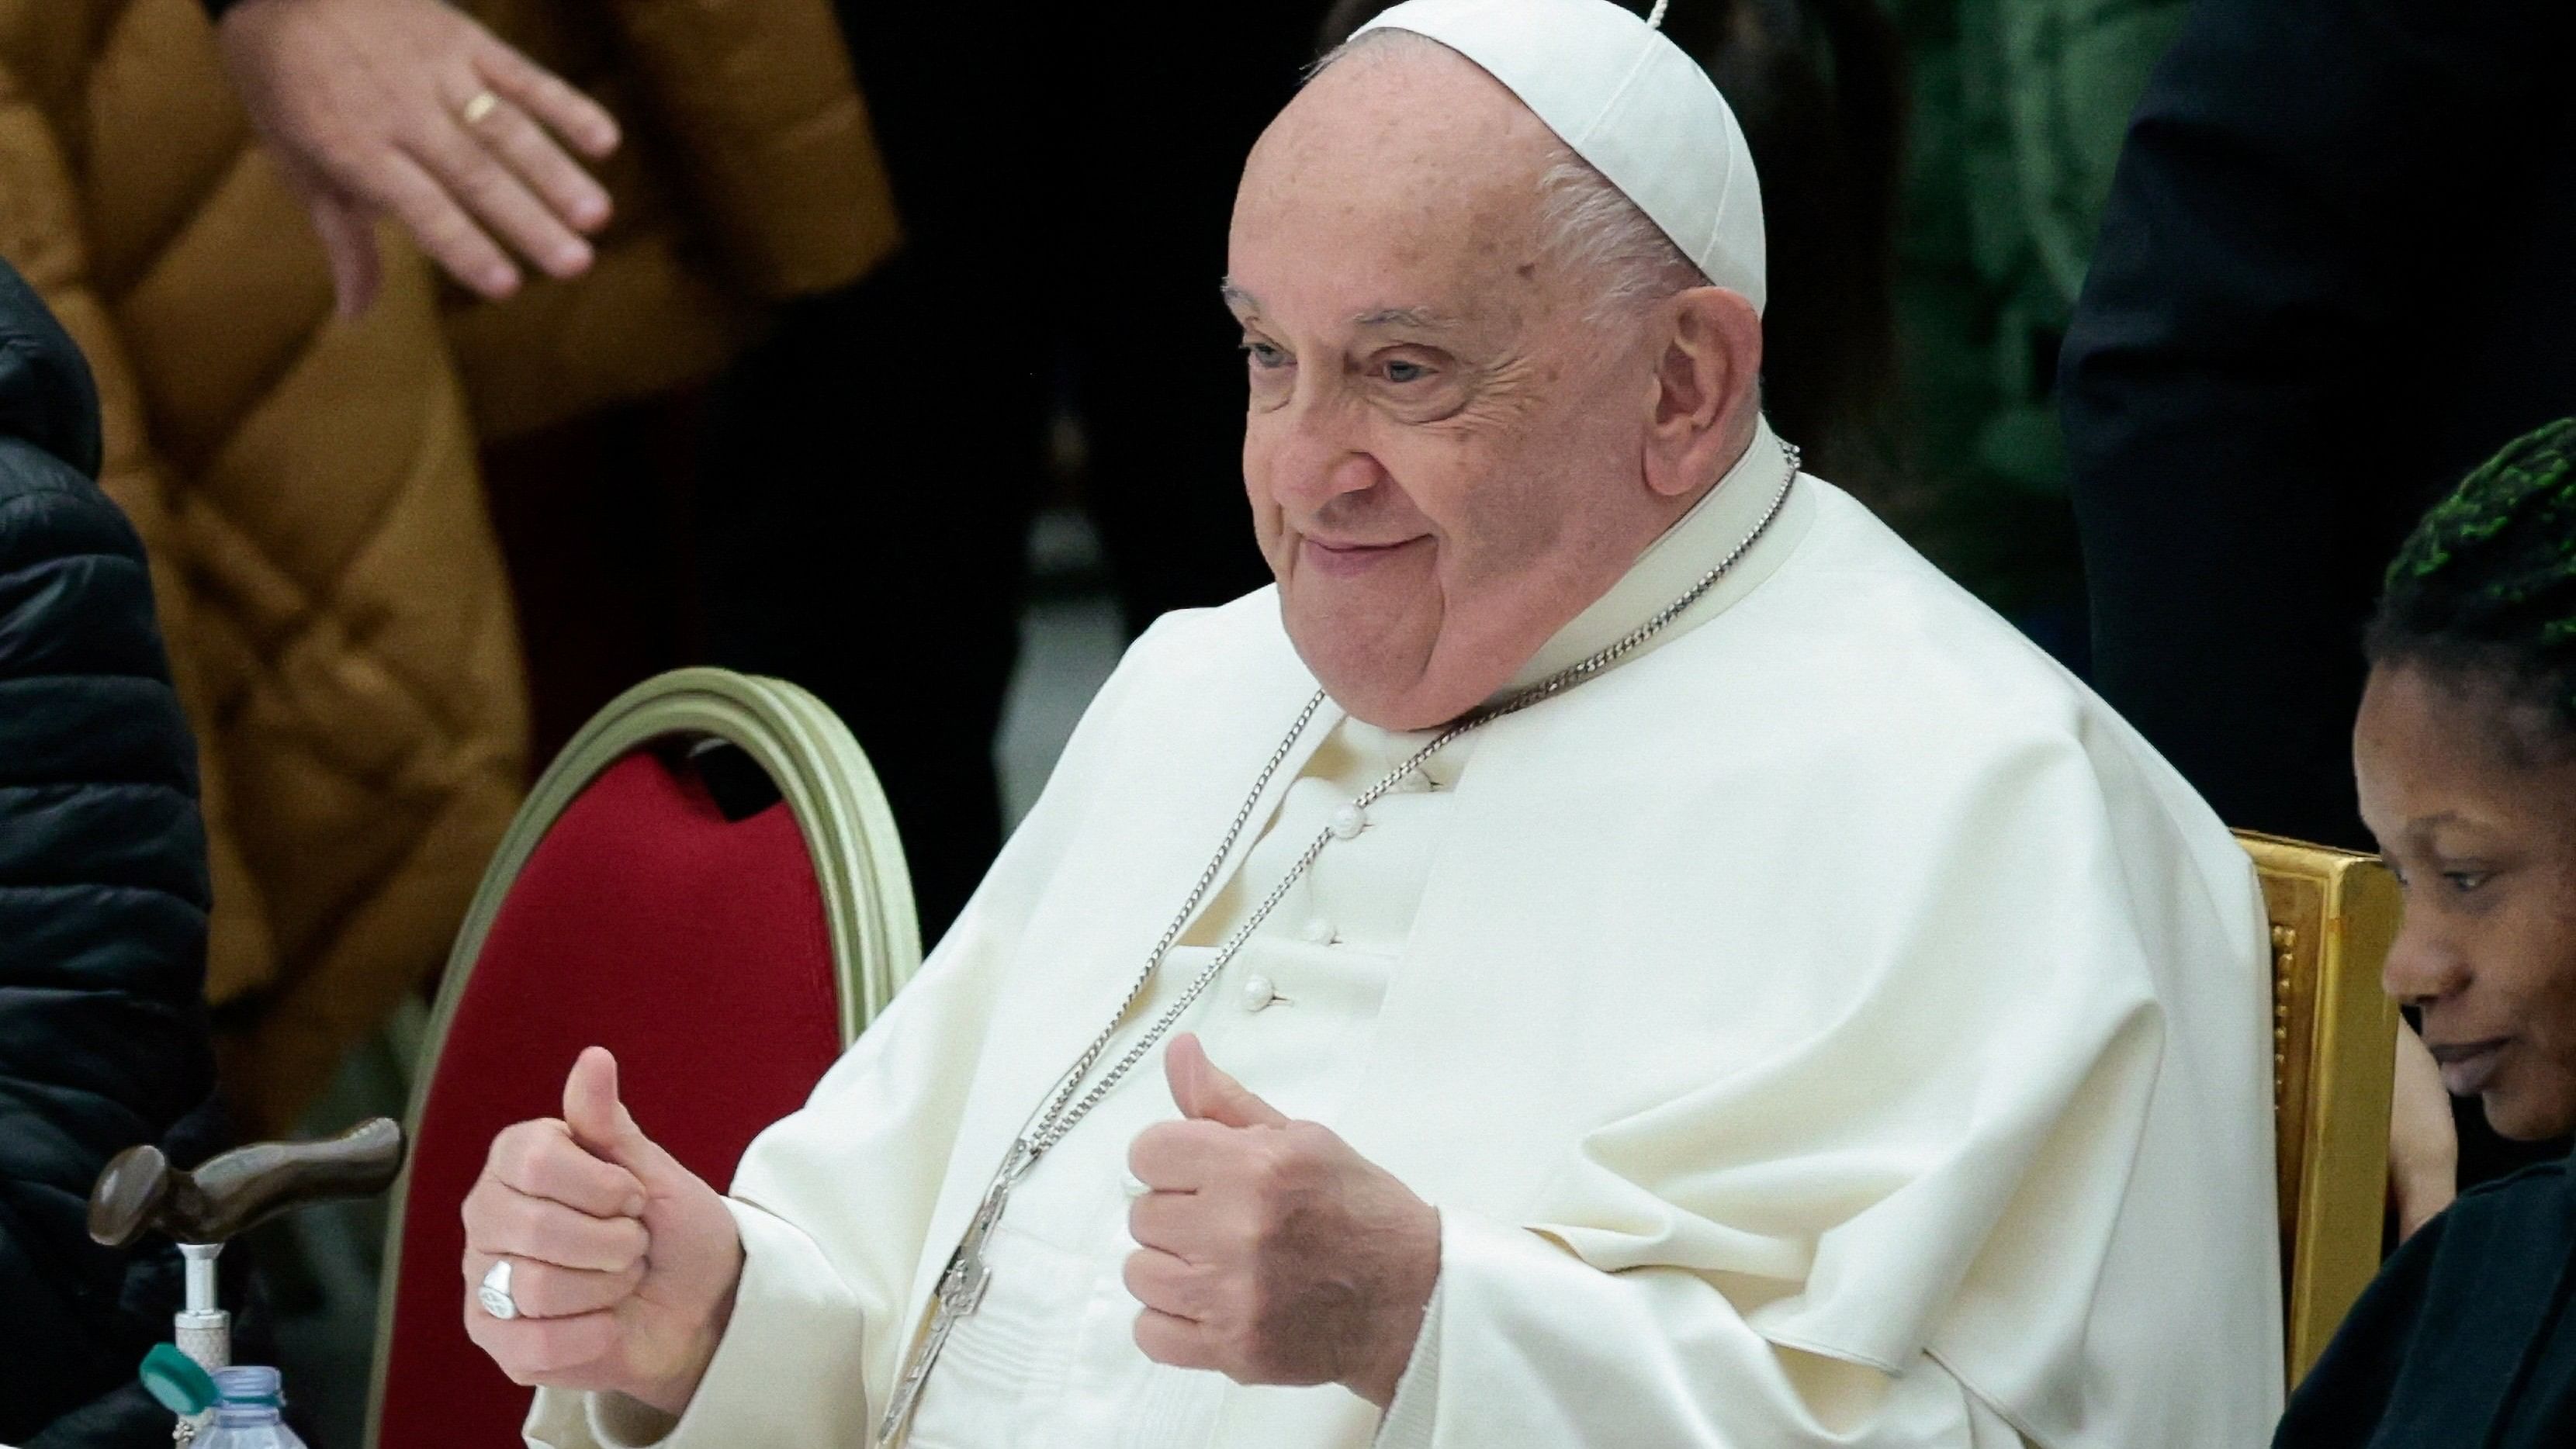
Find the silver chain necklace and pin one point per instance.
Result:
(962, 1283)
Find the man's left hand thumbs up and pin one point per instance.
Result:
(1268, 1250)
(1205, 1094)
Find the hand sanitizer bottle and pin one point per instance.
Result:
(246, 1414)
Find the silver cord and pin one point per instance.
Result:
(963, 1281)
(1063, 1109)
(1655, 17)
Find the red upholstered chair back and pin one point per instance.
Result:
(693, 946)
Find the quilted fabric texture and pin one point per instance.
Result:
(102, 909)
(329, 584)
(338, 618)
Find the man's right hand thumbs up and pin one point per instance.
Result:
(622, 1262)
(601, 1126)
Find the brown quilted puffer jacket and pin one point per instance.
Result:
(333, 597)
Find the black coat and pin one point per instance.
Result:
(2337, 270)
(102, 910)
(2465, 1340)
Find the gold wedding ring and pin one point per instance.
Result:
(483, 104)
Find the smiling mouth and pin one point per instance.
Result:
(1349, 558)
(2468, 1067)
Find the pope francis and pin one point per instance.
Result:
(1613, 950)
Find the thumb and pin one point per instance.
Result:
(349, 240)
(1205, 1094)
(600, 1122)
(346, 227)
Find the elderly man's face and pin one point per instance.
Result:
(1442, 447)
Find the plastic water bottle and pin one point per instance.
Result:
(246, 1412)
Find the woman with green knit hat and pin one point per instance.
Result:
(2465, 753)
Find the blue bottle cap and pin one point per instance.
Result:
(176, 1382)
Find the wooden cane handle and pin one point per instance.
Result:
(232, 1192)
(130, 1194)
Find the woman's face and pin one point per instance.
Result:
(2473, 798)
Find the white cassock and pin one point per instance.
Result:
(1831, 1026)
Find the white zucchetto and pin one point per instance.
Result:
(1629, 102)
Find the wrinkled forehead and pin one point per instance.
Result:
(1401, 162)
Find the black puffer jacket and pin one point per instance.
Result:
(102, 910)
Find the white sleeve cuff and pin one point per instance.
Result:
(1414, 1411)
(1413, 1414)
(788, 1373)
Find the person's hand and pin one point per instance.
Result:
(408, 108)
(623, 1263)
(2423, 1140)
(1268, 1250)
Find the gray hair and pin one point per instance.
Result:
(1594, 228)
(1591, 225)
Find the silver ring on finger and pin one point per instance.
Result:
(494, 1291)
(479, 108)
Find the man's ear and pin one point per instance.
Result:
(1707, 389)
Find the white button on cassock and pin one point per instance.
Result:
(1348, 821)
(1258, 992)
(1317, 932)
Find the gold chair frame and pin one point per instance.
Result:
(2334, 1034)
(822, 775)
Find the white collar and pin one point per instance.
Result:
(1716, 524)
